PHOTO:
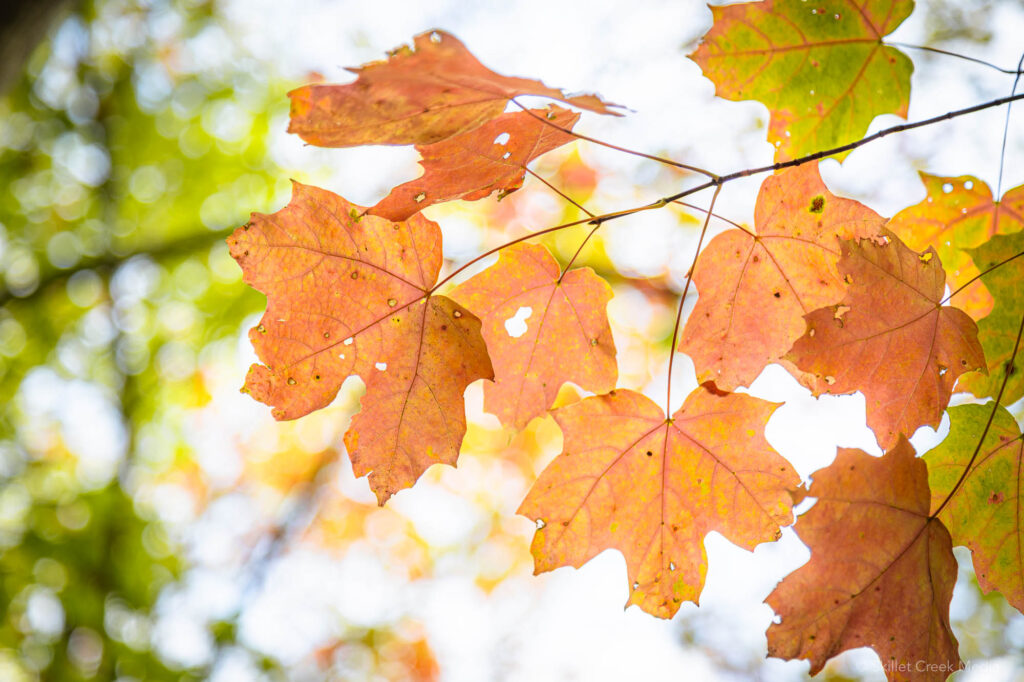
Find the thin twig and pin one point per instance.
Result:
(936, 50)
(1006, 131)
(714, 215)
(844, 148)
(560, 192)
(578, 251)
(682, 301)
(625, 150)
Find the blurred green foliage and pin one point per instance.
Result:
(124, 162)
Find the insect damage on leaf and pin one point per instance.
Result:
(894, 341)
(352, 297)
(567, 337)
(470, 166)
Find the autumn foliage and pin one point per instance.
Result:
(905, 311)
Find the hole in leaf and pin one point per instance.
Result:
(516, 325)
(968, 185)
(381, 366)
(947, 187)
(502, 139)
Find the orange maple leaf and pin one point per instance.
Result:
(566, 337)
(890, 338)
(420, 95)
(651, 487)
(350, 295)
(889, 589)
(755, 288)
(472, 165)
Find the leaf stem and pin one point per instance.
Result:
(625, 150)
(578, 251)
(559, 192)
(596, 220)
(682, 301)
(994, 266)
(1006, 131)
(715, 215)
(936, 50)
(496, 249)
(988, 424)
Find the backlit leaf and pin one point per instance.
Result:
(1002, 260)
(653, 488)
(488, 159)
(890, 338)
(420, 95)
(350, 296)
(820, 67)
(983, 513)
(541, 331)
(756, 288)
(881, 572)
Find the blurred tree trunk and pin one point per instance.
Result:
(23, 25)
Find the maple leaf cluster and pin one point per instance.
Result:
(841, 297)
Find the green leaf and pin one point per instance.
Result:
(983, 512)
(1001, 260)
(820, 67)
